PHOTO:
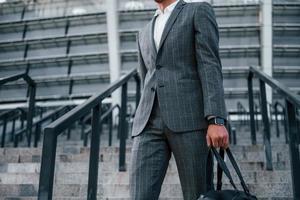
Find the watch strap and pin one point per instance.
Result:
(217, 120)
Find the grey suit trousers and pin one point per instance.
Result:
(151, 152)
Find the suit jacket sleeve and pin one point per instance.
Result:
(141, 68)
(208, 61)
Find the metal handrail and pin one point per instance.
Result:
(9, 112)
(87, 118)
(83, 121)
(16, 77)
(13, 113)
(38, 124)
(93, 105)
(243, 111)
(276, 105)
(257, 112)
(9, 115)
(231, 130)
(279, 87)
(107, 114)
(31, 107)
(292, 103)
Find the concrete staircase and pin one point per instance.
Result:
(19, 171)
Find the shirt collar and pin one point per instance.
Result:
(169, 8)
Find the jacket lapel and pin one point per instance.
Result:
(168, 26)
(154, 50)
(170, 22)
(147, 44)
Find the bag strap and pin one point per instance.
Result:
(210, 171)
(219, 171)
(224, 168)
(235, 166)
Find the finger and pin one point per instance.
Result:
(208, 141)
(224, 141)
(221, 141)
(227, 142)
(214, 142)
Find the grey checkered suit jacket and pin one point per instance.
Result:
(185, 71)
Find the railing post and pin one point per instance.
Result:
(13, 130)
(234, 135)
(24, 115)
(256, 117)
(276, 120)
(68, 133)
(245, 116)
(37, 134)
(123, 129)
(110, 124)
(85, 139)
(47, 165)
(270, 114)
(3, 132)
(285, 126)
(294, 148)
(82, 128)
(30, 113)
(298, 127)
(264, 112)
(22, 121)
(16, 140)
(240, 117)
(228, 127)
(239, 112)
(94, 153)
(41, 112)
(138, 89)
(251, 108)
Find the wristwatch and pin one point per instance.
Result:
(217, 121)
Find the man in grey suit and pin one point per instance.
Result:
(182, 108)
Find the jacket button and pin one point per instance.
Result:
(158, 66)
(152, 89)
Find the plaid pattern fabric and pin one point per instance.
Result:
(151, 152)
(185, 71)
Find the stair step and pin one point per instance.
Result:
(75, 154)
(122, 190)
(73, 167)
(115, 177)
(70, 148)
(19, 171)
(124, 198)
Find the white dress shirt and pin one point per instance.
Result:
(161, 20)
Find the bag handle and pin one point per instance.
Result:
(234, 164)
(210, 171)
(224, 168)
(219, 170)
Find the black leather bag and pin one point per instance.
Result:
(227, 194)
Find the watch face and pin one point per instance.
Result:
(219, 121)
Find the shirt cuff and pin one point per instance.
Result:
(210, 117)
